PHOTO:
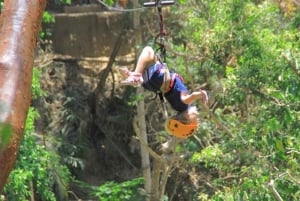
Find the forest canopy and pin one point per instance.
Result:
(246, 54)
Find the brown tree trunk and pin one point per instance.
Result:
(19, 26)
(142, 131)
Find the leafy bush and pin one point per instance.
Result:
(249, 58)
(128, 190)
(37, 169)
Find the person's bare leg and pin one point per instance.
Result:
(146, 58)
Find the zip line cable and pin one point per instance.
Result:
(119, 9)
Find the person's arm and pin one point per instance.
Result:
(196, 95)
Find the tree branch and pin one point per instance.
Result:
(274, 191)
(143, 143)
(292, 63)
(217, 121)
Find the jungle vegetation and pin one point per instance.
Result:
(246, 54)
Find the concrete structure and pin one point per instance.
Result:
(88, 31)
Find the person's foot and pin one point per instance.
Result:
(124, 72)
(134, 79)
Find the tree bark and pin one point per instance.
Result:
(143, 138)
(142, 131)
(19, 26)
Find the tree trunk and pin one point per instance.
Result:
(143, 137)
(141, 114)
(19, 27)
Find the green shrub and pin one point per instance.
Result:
(128, 190)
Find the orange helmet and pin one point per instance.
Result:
(179, 129)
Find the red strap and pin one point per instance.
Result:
(171, 82)
(180, 77)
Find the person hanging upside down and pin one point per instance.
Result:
(153, 75)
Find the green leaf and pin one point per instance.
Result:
(279, 145)
(5, 135)
(272, 125)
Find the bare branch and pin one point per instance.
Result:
(218, 122)
(143, 143)
(292, 63)
(293, 178)
(274, 191)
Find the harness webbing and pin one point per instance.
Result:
(164, 88)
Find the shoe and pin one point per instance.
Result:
(134, 79)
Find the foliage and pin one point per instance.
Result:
(6, 134)
(66, 1)
(70, 147)
(35, 84)
(109, 2)
(48, 18)
(247, 53)
(37, 169)
(62, 2)
(127, 190)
